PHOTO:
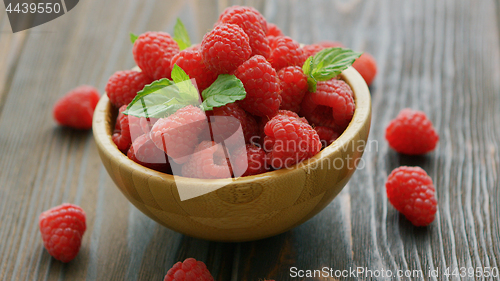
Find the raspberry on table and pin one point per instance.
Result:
(286, 52)
(190, 269)
(62, 228)
(262, 86)
(224, 48)
(289, 140)
(331, 44)
(332, 105)
(223, 128)
(177, 134)
(76, 108)
(411, 191)
(250, 21)
(293, 83)
(313, 49)
(273, 30)
(153, 52)
(144, 152)
(191, 62)
(122, 137)
(412, 133)
(367, 67)
(122, 87)
(253, 157)
(208, 162)
(326, 135)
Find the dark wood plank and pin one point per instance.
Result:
(439, 56)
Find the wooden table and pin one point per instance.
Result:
(442, 57)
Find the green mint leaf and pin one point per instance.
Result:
(226, 89)
(158, 99)
(188, 91)
(181, 35)
(327, 64)
(133, 37)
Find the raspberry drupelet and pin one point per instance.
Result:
(208, 162)
(62, 228)
(153, 52)
(286, 52)
(123, 86)
(190, 269)
(144, 152)
(262, 86)
(177, 134)
(237, 117)
(293, 83)
(191, 62)
(367, 67)
(224, 48)
(412, 133)
(332, 105)
(411, 191)
(253, 24)
(76, 108)
(289, 140)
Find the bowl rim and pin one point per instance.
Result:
(362, 115)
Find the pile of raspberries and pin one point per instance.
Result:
(282, 123)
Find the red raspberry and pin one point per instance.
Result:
(123, 86)
(250, 21)
(255, 160)
(191, 62)
(273, 30)
(333, 98)
(153, 52)
(225, 127)
(144, 152)
(331, 44)
(62, 228)
(293, 84)
(122, 138)
(313, 49)
(326, 135)
(262, 86)
(411, 132)
(289, 141)
(367, 67)
(224, 48)
(411, 191)
(76, 108)
(188, 270)
(178, 133)
(259, 138)
(286, 52)
(207, 162)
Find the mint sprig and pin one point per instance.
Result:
(164, 97)
(226, 89)
(185, 85)
(155, 100)
(133, 37)
(181, 35)
(327, 64)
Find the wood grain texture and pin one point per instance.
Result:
(439, 56)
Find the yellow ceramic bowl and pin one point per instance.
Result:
(249, 208)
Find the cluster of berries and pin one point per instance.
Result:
(409, 189)
(282, 121)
